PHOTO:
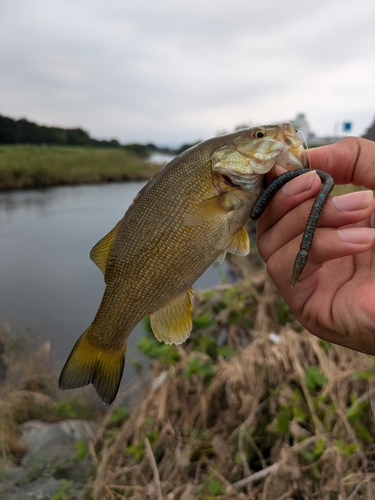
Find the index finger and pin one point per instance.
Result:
(348, 161)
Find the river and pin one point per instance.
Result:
(48, 284)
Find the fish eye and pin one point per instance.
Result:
(258, 134)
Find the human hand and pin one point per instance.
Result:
(335, 296)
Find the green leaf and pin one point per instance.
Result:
(65, 490)
(137, 450)
(203, 321)
(215, 487)
(363, 432)
(319, 447)
(81, 449)
(366, 375)
(153, 436)
(283, 417)
(201, 367)
(357, 410)
(347, 449)
(226, 352)
(119, 416)
(326, 346)
(150, 347)
(314, 378)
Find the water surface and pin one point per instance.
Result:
(47, 281)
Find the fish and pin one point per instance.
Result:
(192, 212)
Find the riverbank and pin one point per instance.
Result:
(30, 167)
(251, 406)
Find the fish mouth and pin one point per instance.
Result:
(294, 154)
(293, 158)
(250, 182)
(230, 182)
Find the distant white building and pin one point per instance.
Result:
(301, 124)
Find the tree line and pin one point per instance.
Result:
(24, 131)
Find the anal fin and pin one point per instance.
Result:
(172, 323)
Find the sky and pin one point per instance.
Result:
(176, 71)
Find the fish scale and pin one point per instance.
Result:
(191, 213)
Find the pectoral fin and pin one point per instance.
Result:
(239, 243)
(100, 253)
(207, 211)
(172, 323)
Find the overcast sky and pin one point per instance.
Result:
(170, 71)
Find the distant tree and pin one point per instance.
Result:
(9, 133)
(77, 137)
(25, 132)
(138, 149)
(30, 133)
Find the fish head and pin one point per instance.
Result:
(254, 152)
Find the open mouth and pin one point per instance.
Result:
(229, 181)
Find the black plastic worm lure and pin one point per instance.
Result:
(312, 222)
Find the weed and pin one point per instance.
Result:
(81, 449)
(211, 488)
(120, 415)
(137, 451)
(314, 378)
(66, 410)
(46, 466)
(65, 490)
(150, 347)
(201, 366)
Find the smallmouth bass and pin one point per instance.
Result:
(191, 213)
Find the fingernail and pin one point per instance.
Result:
(353, 201)
(357, 234)
(299, 184)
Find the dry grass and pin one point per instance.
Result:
(287, 420)
(234, 413)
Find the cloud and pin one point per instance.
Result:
(171, 72)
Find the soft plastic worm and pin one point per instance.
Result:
(308, 235)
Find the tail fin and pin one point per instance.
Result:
(89, 364)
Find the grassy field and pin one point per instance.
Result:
(25, 167)
(28, 167)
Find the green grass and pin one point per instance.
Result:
(25, 167)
